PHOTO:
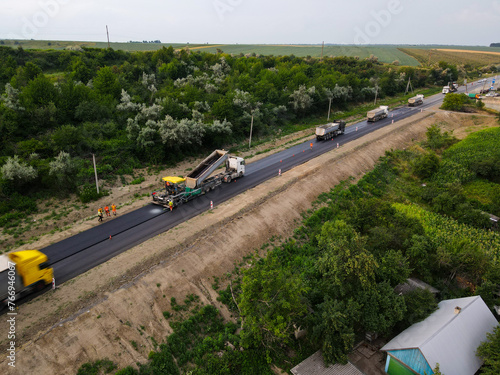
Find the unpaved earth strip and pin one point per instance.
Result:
(99, 313)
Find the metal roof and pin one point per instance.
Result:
(450, 339)
(314, 365)
(413, 284)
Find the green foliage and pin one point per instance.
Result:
(393, 267)
(161, 362)
(345, 263)
(335, 329)
(381, 308)
(103, 366)
(106, 83)
(454, 102)
(489, 352)
(270, 303)
(437, 140)
(88, 193)
(420, 303)
(138, 180)
(426, 165)
(17, 171)
(129, 370)
(479, 154)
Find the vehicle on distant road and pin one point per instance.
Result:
(378, 114)
(330, 130)
(416, 100)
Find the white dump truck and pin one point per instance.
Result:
(330, 130)
(416, 100)
(378, 114)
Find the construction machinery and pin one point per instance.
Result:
(452, 87)
(378, 114)
(330, 130)
(22, 272)
(179, 190)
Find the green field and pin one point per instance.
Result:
(385, 53)
(410, 55)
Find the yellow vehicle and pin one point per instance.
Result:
(22, 272)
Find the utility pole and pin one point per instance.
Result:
(329, 108)
(409, 86)
(95, 172)
(376, 92)
(322, 47)
(251, 128)
(107, 34)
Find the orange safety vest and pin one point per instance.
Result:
(106, 208)
(113, 207)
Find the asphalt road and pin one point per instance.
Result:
(88, 249)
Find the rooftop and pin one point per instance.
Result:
(314, 365)
(450, 338)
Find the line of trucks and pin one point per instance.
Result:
(179, 190)
(23, 272)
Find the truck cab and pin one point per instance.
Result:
(446, 89)
(31, 270)
(236, 165)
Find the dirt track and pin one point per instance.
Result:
(99, 313)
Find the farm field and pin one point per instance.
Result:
(457, 55)
(410, 55)
(385, 53)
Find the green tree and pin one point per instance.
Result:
(420, 303)
(393, 268)
(39, 92)
(271, 302)
(426, 165)
(106, 83)
(489, 351)
(345, 263)
(66, 138)
(437, 140)
(63, 168)
(454, 102)
(335, 329)
(381, 308)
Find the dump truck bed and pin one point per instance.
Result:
(324, 129)
(205, 168)
(375, 112)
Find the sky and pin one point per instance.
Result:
(457, 22)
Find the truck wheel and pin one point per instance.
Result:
(228, 179)
(39, 286)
